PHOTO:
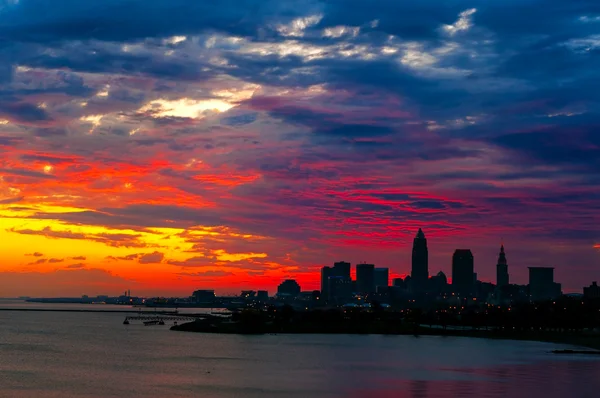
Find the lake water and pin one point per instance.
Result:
(68, 355)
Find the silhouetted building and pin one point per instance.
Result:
(382, 277)
(592, 292)
(325, 274)
(340, 289)
(340, 268)
(203, 296)
(289, 288)
(541, 284)
(420, 262)
(484, 290)
(365, 278)
(262, 295)
(462, 271)
(438, 283)
(399, 282)
(510, 294)
(502, 269)
(309, 297)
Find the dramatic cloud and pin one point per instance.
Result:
(142, 258)
(109, 239)
(259, 140)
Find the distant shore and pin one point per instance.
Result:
(124, 310)
(587, 340)
(584, 340)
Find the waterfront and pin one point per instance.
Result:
(93, 355)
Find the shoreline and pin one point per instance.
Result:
(108, 311)
(590, 342)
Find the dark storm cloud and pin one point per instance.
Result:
(116, 61)
(239, 120)
(536, 16)
(6, 71)
(26, 173)
(573, 150)
(411, 20)
(117, 20)
(50, 132)
(9, 141)
(21, 112)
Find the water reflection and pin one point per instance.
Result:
(577, 378)
(93, 355)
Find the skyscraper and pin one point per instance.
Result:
(420, 262)
(341, 268)
(325, 275)
(462, 271)
(382, 277)
(502, 269)
(541, 284)
(340, 289)
(365, 278)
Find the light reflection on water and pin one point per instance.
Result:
(71, 355)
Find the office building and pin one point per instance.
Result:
(325, 274)
(438, 283)
(399, 282)
(203, 296)
(592, 292)
(541, 284)
(288, 288)
(462, 272)
(420, 262)
(502, 269)
(340, 268)
(382, 277)
(365, 278)
(262, 295)
(340, 289)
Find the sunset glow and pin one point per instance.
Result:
(214, 150)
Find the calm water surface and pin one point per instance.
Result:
(80, 355)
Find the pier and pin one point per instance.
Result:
(175, 318)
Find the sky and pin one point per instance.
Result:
(169, 146)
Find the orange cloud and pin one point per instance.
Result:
(110, 239)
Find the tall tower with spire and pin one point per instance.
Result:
(502, 269)
(420, 262)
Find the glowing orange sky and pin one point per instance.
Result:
(208, 147)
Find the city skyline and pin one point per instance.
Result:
(240, 145)
(462, 264)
